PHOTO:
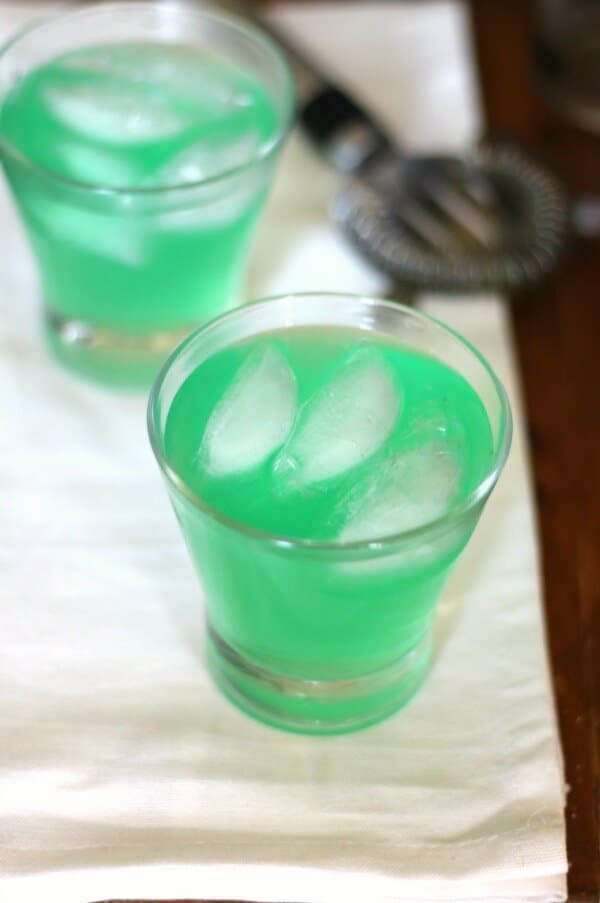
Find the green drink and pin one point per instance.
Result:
(140, 167)
(326, 477)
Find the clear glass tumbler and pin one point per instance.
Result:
(125, 272)
(323, 637)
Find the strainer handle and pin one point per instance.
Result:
(336, 124)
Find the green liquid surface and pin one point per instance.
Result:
(140, 117)
(440, 434)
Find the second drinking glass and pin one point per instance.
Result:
(139, 141)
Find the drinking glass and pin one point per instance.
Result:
(126, 272)
(323, 637)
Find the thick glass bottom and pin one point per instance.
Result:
(316, 706)
(112, 359)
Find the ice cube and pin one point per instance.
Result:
(211, 205)
(97, 166)
(253, 417)
(344, 422)
(208, 157)
(210, 215)
(113, 113)
(185, 73)
(110, 236)
(408, 490)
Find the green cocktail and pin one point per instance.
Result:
(139, 146)
(328, 458)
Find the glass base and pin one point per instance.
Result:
(111, 359)
(316, 706)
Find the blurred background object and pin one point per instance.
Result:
(567, 56)
(490, 218)
(567, 71)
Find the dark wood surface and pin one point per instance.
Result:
(557, 336)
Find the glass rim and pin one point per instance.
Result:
(264, 152)
(376, 544)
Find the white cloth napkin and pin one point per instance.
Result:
(123, 772)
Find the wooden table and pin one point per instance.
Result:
(557, 336)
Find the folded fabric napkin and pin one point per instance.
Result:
(123, 772)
